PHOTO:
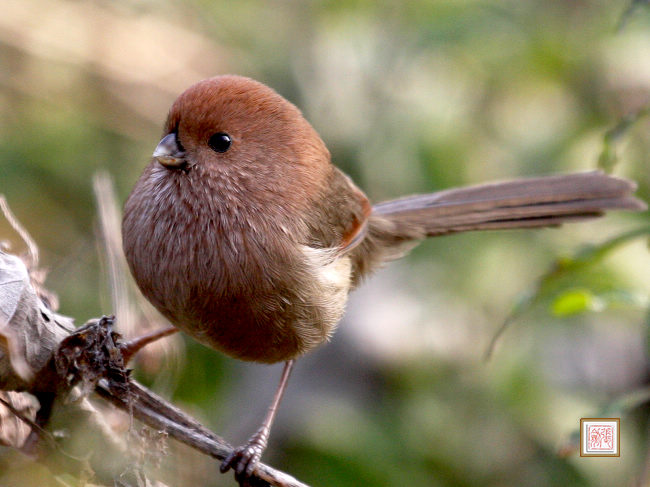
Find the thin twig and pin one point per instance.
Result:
(32, 248)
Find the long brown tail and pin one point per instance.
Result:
(523, 203)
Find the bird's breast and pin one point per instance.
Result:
(232, 279)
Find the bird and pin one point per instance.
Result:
(243, 233)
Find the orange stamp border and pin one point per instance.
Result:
(600, 454)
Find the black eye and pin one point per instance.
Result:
(219, 142)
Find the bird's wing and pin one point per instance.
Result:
(358, 226)
(338, 219)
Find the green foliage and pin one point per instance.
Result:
(574, 285)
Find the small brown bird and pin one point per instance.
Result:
(244, 235)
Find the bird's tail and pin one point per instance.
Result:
(524, 203)
(396, 226)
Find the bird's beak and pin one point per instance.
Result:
(168, 152)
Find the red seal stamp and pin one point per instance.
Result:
(599, 437)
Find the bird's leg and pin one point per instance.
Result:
(244, 459)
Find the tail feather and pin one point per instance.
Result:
(396, 226)
(524, 203)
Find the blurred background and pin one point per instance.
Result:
(409, 97)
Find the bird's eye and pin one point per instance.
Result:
(219, 142)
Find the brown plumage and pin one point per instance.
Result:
(244, 235)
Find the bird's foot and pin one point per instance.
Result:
(244, 459)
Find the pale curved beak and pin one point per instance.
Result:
(168, 152)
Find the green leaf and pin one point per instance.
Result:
(576, 301)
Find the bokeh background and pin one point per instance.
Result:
(410, 97)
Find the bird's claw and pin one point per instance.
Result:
(244, 459)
